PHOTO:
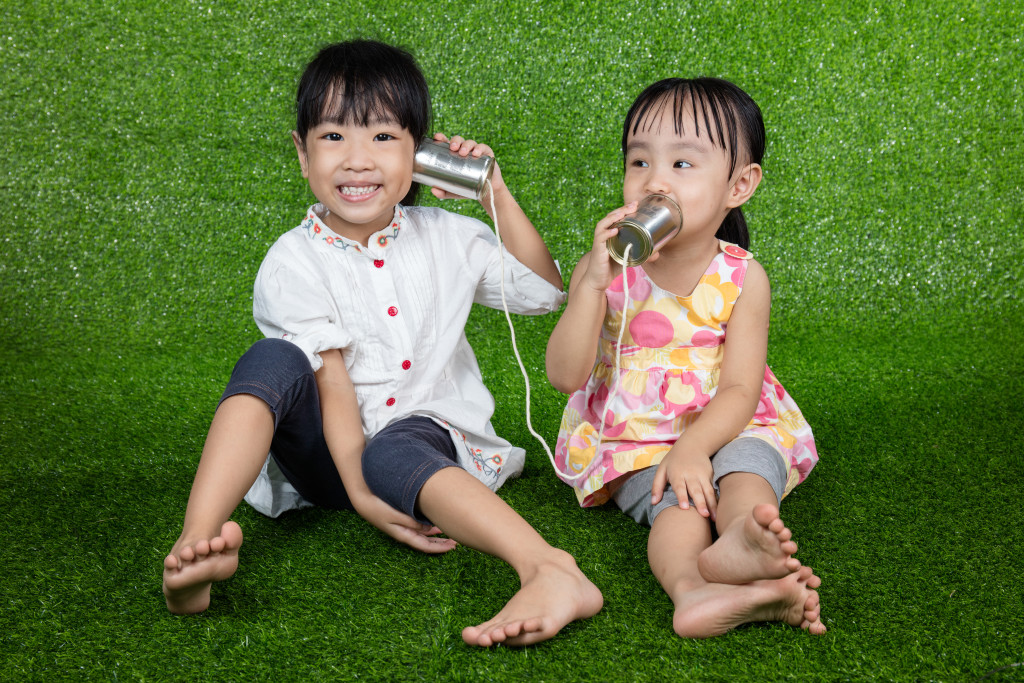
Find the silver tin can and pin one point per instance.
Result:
(437, 166)
(656, 220)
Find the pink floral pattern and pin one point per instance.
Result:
(671, 357)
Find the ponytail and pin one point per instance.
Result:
(734, 229)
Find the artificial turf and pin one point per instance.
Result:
(148, 167)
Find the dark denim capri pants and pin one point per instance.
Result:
(396, 462)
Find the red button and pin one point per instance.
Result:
(406, 365)
(390, 402)
(392, 311)
(379, 263)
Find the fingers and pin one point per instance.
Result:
(605, 228)
(701, 491)
(422, 537)
(690, 479)
(465, 147)
(658, 487)
(423, 542)
(616, 215)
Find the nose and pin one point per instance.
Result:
(358, 157)
(656, 182)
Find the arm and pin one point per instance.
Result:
(343, 432)
(517, 232)
(687, 466)
(572, 347)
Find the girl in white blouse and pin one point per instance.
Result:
(365, 392)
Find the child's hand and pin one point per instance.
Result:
(467, 148)
(599, 273)
(401, 526)
(690, 477)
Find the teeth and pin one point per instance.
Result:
(361, 190)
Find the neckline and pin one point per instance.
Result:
(722, 245)
(318, 231)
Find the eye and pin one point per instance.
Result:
(682, 164)
(638, 163)
(333, 137)
(383, 137)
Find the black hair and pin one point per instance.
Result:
(359, 81)
(725, 110)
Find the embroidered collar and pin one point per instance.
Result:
(318, 231)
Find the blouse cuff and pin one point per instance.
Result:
(315, 340)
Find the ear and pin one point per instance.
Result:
(747, 179)
(300, 147)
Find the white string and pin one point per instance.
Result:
(618, 348)
(522, 368)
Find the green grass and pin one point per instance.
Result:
(147, 168)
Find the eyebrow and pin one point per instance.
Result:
(371, 123)
(672, 146)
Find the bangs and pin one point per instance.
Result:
(363, 82)
(711, 106)
(345, 102)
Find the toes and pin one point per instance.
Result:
(512, 630)
(232, 534)
(814, 627)
(473, 635)
(217, 544)
(516, 633)
(535, 625)
(187, 554)
(202, 548)
(767, 515)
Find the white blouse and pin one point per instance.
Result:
(397, 308)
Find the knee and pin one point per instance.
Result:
(377, 468)
(278, 358)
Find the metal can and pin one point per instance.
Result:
(656, 220)
(437, 166)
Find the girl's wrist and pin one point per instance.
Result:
(502, 197)
(685, 451)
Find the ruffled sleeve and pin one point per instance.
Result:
(289, 304)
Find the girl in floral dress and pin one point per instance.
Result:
(689, 432)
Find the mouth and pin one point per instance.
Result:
(356, 192)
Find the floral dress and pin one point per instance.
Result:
(671, 357)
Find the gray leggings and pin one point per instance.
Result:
(746, 454)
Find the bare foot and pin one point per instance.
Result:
(191, 569)
(716, 608)
(555, 595)
(758, 547)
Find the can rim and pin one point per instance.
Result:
(635, 258)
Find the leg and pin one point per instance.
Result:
(753, 543)
(705, 609)
(553, 591)
(269, 403)
(207, 549)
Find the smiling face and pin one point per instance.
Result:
(662, 158)
(359, 172)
